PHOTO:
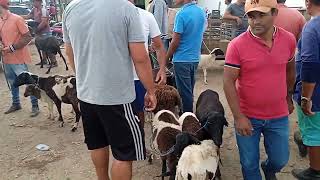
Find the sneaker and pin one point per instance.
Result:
(12, 109)
(306, 174)
(35, 111)
(268, 175)
(303, 151)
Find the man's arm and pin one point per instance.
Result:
(161, 56)
(70, 55)
(142, 64)
(291, 79)
(44, 23)
(24, 40)
(173, 45)
(227, 15)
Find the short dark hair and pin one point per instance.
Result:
(281, 1)
(315, 2)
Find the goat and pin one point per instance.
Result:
(58, 88)
(49, 45)
(165, 129)
(198, 161)
(207, 59)
(210, 113)
(168, 98)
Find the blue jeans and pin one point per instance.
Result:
(276, 143)
(185, 81)
(12, 71)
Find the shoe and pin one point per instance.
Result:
(303, 151)
(12, 109)
(307, 174)
(268, 175)
(35, 111)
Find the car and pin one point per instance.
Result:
(20, 10)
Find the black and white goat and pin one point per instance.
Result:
(206, 60)
(48, 45)
(198, 161)
(165, 129)
(59, 89)
(210, 113)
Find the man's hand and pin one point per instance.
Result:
(290, 105)
(6, 50)
(239, 21)
(161, 77)
(306, 107)
(150, 101)
(243, 126)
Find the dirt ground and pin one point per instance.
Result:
(68, 157)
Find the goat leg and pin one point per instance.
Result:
(164, 168)
(41, 58)
(205, 76)
(58, 104)
(50, 63)
(50, 107)
(64, 60)
(78, 114)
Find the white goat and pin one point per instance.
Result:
(207, 60)
(198, 161)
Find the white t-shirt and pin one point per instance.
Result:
(150, 28)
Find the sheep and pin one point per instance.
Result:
(198, 162)
(49, 45)
(165, 129)
(58, 88)
(168, 98)
(210, 113)
(207, 59)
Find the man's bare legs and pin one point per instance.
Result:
(100, 158)
(121, 170)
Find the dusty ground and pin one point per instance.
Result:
(68, 157)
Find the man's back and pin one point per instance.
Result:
(99, 35)
(191, 29)
(290, 19)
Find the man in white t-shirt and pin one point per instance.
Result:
(152, 31)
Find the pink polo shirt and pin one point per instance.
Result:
(290, 19)
(262, 86)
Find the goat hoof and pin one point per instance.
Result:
(150, 159)
(61, 124)
(74, 129)
(206, 82)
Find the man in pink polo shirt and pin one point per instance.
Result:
(258, 82)
(289, 19)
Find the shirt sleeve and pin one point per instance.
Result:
(22, 26)
(230, 8)
(134, 27)
(310, 55)
(178, 24)
(154, 28)
(232, 57)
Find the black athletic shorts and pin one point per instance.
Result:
(115, 125)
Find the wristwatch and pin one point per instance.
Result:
(305, 99)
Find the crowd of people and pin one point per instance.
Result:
(273, 62)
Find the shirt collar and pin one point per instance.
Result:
(5, 15)
(273, 36)
(189, 4)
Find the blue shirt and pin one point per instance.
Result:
(189, 23)
(308, 61)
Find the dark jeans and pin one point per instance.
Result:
(185, 81)
(276, 143)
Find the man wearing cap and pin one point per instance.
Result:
(258, 84)
(15, 37)
(307, 93)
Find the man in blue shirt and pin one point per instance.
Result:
(307, 93)
(186, 48)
